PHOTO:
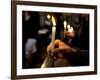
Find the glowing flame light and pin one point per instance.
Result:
(53, 21)
(48, 16)
(68, 27)
(71, 29)
(65, 24)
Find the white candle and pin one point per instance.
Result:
(53, 36)
(53, 32)
(65, 25)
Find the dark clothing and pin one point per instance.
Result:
(29, 30)
(80, 41)
(80, 59)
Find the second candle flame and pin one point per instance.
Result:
(71, 29)
(65, 24)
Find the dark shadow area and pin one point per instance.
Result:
(36, 36)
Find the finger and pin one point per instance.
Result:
(56, 42)
(56, 51)
(49, 48)
(66, 32)
(59, 52)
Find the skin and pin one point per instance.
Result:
(69, 34)
(61, 49)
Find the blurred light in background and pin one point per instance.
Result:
(48, 16)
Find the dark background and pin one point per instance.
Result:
(38, 21)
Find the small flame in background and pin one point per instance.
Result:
(48, 16)
(65, 25)
(70, 29)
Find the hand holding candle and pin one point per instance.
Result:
(70, 30)
(48, 62)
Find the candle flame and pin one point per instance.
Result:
(53, 21)
(65, 23)
(68, 27)
(48, 16)
(71, 29)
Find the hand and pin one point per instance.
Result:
(69, 34)
(61, 49)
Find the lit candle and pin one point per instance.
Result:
(49, 62)
(70, 30)
(65, 25)
(68, 27)
(53, 32)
